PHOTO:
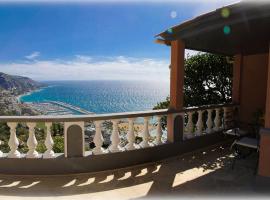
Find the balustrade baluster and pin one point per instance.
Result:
(115, 139)
(49, 153)
(98, 138)
(190, 125)
(199, 124)
(32, 142)
(13, 142)
(130, 135)
(209, 121)
(225, 115)
(159, 131)
(217, 120)
(145, 135)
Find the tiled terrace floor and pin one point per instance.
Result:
(205, 172)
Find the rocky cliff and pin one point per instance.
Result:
(18, 84)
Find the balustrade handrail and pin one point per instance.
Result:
(211, 106)
(95, 117)
(85, 118)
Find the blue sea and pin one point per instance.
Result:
(103, 96)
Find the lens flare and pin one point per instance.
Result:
(173, 14)
(226, 30)
(170, 30)
(225, 12)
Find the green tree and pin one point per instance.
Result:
(208, 80)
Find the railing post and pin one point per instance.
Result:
(159, 131)
(13, 142)
(225, 112)
(145, 134)
(209, 121)
(49, 153)
(98, 138)
(74, 139)
(190, 125)
(32, 142)
(199, 124)
(217, 120)
(130, 135)
(115, 139)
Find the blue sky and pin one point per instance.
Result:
(70, 40)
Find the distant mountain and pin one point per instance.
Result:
(18, 84)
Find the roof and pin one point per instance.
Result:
(242, 28)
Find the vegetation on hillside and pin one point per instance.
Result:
(18, 84)
(22, 134)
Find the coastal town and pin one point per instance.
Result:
(12, 88)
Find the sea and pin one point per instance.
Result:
(102, 96)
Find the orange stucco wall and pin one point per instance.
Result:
(253, 85)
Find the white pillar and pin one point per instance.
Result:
(190, 125)
(145, 134)
(98, 138)
(13, 142)
(115, 139)
(159, 131)
(199, 124)
(49, 153)
(130, 135)
(209, 121)
(32, 141)
(217, 120)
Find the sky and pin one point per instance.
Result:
(91, 40)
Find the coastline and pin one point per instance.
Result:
(18, 97)
(91, 96)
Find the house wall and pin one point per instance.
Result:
(253, 85)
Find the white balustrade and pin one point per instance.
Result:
(159, 131)
(190, 125)
(98, 138)
(217, 120)
(115, 139)
(145, 134)
(32, 142)
(211, 126)
(49, 153)
(13, 142)
(209, 121)
(199, 124)
(130, 135)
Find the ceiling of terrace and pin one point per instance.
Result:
(239, 28)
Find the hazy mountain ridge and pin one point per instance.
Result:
(12, 86)
(18, 84)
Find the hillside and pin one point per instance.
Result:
(18, 84)
(12, 86)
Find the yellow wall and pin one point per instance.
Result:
(253, 85)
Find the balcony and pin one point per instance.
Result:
(193, 128)
(205, 172)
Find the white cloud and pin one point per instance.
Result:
(110, 68)
(33, 55)
(83, 58)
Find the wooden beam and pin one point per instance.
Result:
(267, 104)
(175, 125)
(237, 68)
(161, 41)
(177, 75)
